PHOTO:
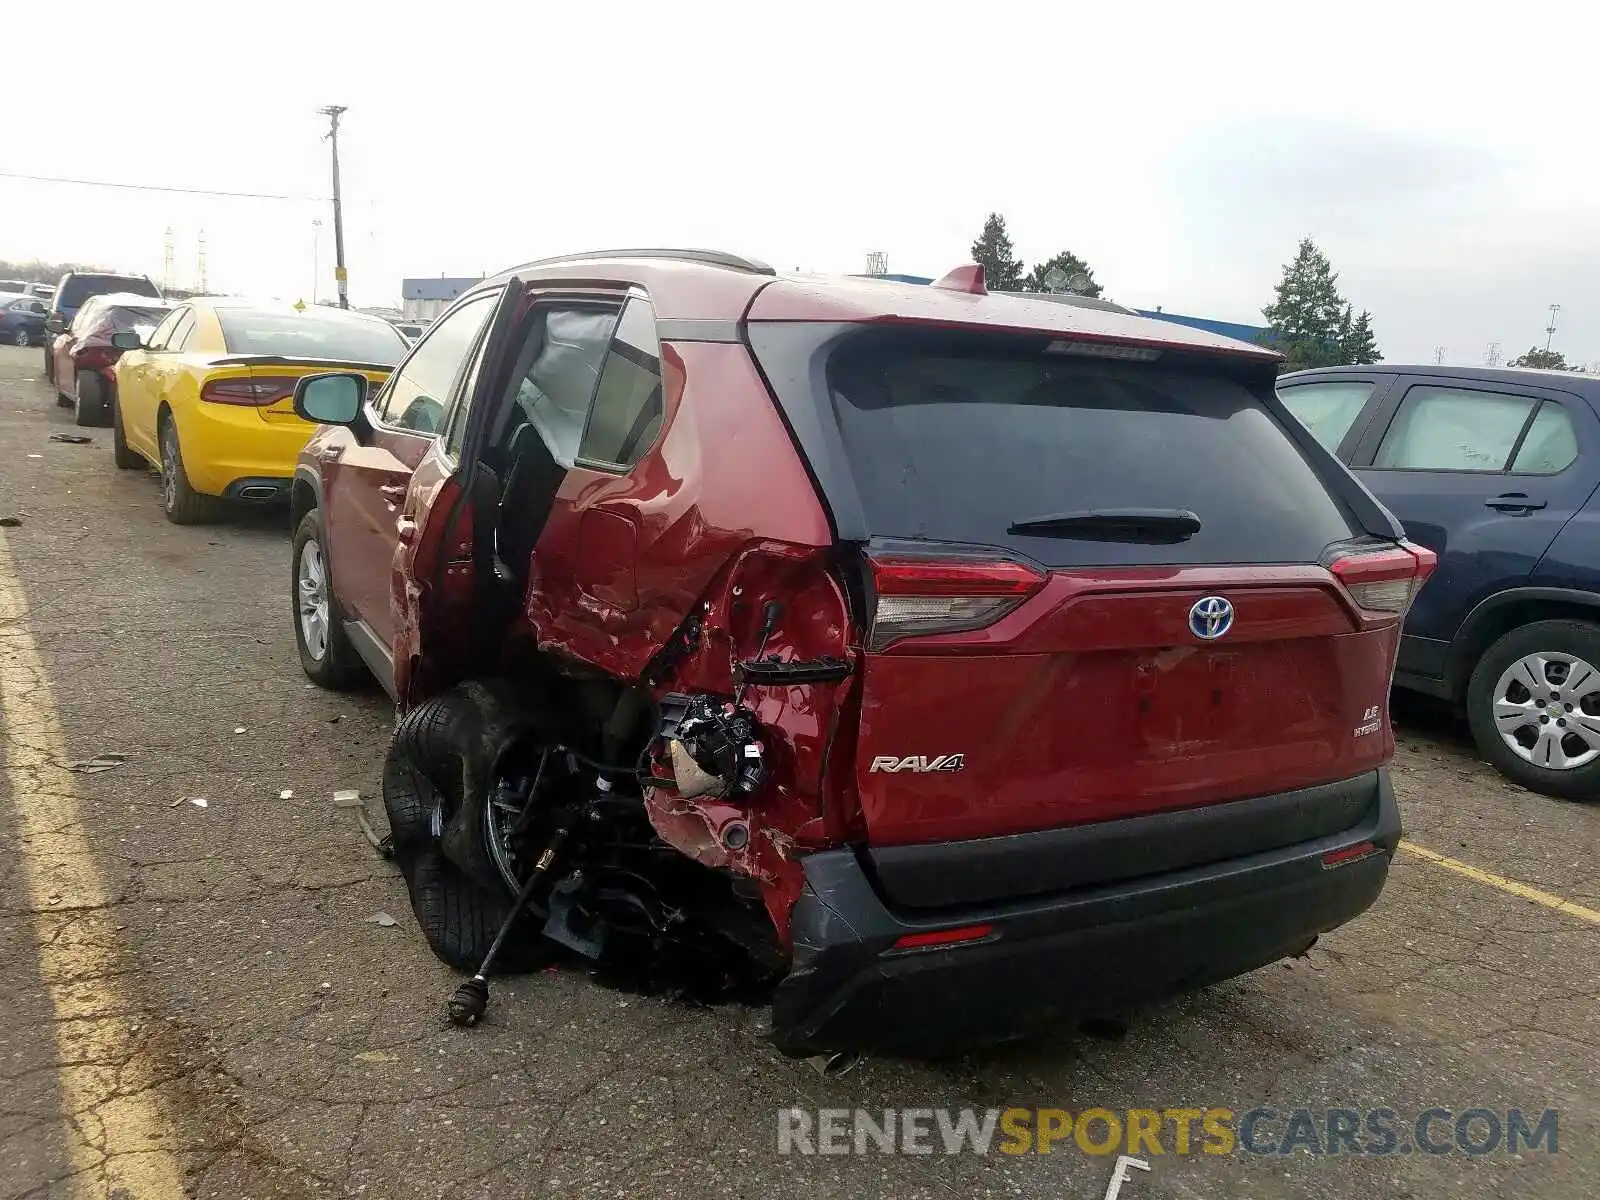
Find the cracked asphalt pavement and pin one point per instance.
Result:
(197, 1001)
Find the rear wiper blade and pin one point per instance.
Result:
(1155, 526)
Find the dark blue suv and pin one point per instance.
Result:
(1496, 471)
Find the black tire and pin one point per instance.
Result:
(1580, 640)
(338, 666)
(444, 757)
(181, 503)
(90, 399)
(49, 361)
(124, 457)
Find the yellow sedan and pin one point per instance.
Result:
(208, 397)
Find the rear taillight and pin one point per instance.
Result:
(1384, 582)
(919, 597)
(257, 392)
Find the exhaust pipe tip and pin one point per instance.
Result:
(257, 491)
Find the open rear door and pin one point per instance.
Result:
(439, 550)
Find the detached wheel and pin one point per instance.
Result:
(182, 504)
(1534, 707)
(437, 777)
(91, 399)
(326, 655)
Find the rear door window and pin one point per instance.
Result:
(627, 410)
(557, 373)
(953, 437)
(178, 338)
(1453, 429)
(1329, 408)
(1551, 444)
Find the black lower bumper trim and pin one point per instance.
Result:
(1054, 959)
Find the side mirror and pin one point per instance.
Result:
(332, 399)
(127, 339)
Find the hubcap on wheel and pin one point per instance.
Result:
(311, 588)
(21, 338)
(1547, 709)
(169, 465)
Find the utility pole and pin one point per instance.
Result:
(1492, 357)
(1438, 355)
(1550, 329)
(333, 112)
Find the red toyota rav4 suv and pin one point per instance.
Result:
(954, 662)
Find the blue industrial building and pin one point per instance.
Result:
(424, 299)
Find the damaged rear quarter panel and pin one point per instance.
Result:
(624, 558)
(721, 501)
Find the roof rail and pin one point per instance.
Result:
(710, 258)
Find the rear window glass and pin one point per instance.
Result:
(80, 287)
(954, 439)
(343, 339)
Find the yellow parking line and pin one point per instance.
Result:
(119, 1140)
(1509, 886)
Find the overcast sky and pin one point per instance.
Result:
(1445, 162)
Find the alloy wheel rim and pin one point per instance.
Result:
(1547, 710)
(169, 466)
(311, 590)
(21, 338)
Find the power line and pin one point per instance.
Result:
(150, 187)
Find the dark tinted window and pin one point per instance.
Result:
(311, 335)
(79, 288)
(954, 438)
(626, 415)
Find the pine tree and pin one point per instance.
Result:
(1070, 265)
(1357, 343)
(1002, 269)
(1309, 320)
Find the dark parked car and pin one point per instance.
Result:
(22, 320)
(1496, 470)
(951, 661)
(84, 357)
(74, 288)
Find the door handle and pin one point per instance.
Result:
(1513, 502)
(392, 492)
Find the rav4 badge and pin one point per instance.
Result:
(920, 763)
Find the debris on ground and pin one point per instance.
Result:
(383, 845)
(35, 456)
(286, 794)
(72, 439)
(198, 801)
(240, 729)
(93, 766)
(347, 798)
(176, 802)
(383, 919)
(835, 1065)
(10, 522)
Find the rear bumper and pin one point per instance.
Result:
(224, 444)
(1057, 958)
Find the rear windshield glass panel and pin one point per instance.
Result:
(80, 287)
(952, 438)
(353, 340)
